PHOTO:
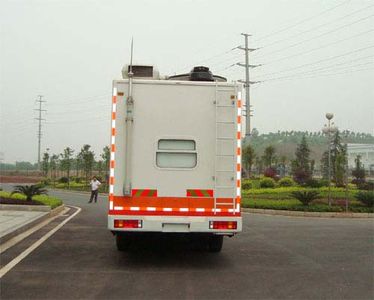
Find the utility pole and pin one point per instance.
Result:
(40, 119)
(247, 82)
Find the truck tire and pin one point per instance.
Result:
(215, 243)
(123, 242)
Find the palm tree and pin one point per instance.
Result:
(29, 191)
(305, 197)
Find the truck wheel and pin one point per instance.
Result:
(215, 243)
(123, 242)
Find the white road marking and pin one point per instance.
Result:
(25, 253)
(30, 231)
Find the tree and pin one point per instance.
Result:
(282, 166)
(67, 161)
(248, 158)
(359, 172)
(340, 167)
(259, 164)
(338, 160)
(24, 165)
(255, 133)
(87, 160)
(53, 166)
(301, 169)
(99, 167)
(312, 167)
(45, 163)
(269, 156)
(325, 165)
(105, 155)
(78, 164)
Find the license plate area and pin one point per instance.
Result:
(175, 227)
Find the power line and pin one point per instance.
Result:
(320, 35)
(212, 57)
(319, 75)
(326, 69)
(319, 61)
(78, 101)
(314, 28)
(318, 48)
(308, 51)
(304, 52)
(303, 21)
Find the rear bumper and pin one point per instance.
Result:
(179, 224)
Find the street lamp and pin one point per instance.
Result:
(329, 129)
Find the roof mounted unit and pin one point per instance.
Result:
(199, 73)
(141, 71)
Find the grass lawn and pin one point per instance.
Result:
(43, 199)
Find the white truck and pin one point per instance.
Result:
(175, 156)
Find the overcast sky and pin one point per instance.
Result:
(317, 57)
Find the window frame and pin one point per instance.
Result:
(176, 151)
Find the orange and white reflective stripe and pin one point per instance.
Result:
(113, 151)
(182, 209)
(239, 152)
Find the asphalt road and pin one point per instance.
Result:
(275, 257)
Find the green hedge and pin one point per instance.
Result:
(78, 187)
(295, 205)
(267, 182)
(44, 199)
(286, 182)
(284, 192)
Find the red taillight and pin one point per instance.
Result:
(223, 225)
(128, 224)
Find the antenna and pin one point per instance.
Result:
(132, 51)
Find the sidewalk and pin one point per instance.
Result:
(15, 219)
(13, 222)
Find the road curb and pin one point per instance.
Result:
(275, 212)
(27, 226)
(17, 207)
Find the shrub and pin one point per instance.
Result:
(45, 181)
(286, 181)
(60, 185)
(323, 182)
(270, 172)
(358, 181)
(44, 199)
(246, 185)
(368, 186)
(359, 175)
(267, 182)
(313, 183)
(77, 180)
(367, 198)
(63, 180)
(29, 191)
(305, 197)
(301, 176)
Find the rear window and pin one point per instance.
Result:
(173, 153)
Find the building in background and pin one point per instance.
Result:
(366, 151)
